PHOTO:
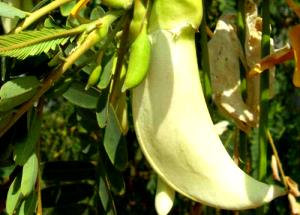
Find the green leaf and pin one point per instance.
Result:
(97, 13)
(66, 9)
(30, 43)
(59, 88)
(14, 195)
(107, 73)
(25, 147)
(28, 205)
(115, 177)
(102, 106)
(6, 171)
(114, 143)
(77, 95)
(50, 23)
(9, 11)
(29, 175)
(104, 191)
(105, 197)
(17, 91)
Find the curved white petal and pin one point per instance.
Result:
(177, 135)
(164, 197)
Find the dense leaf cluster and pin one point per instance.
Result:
(68, 150)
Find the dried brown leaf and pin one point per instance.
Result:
(294, 205)
(225, 53)
(293, 186)
(274, 167)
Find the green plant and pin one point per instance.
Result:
(67, 142)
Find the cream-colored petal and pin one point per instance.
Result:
(177, 136)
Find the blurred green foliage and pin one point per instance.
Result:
(70, 133)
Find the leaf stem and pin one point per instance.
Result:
(264, 99)
(264, 94)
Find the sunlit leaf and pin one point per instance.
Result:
(28, 205)
(14, 195)
(65, 9)
(9, 11)
(107, 73)
(122, 113)
(114, 143)
(17, 91)
(29, 175)
(30, 43)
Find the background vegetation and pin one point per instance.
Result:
(75, 173)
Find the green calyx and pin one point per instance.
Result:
(170, 15)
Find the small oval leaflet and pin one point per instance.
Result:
(77, 95)
(29, 175)
(17, 91)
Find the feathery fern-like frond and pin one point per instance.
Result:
(30, 43)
